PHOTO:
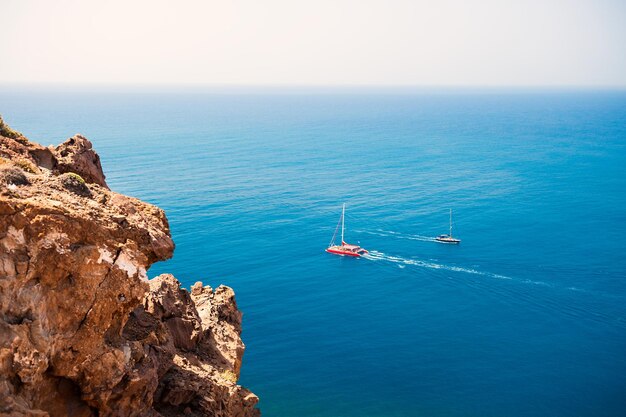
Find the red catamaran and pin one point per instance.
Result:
(344, 249)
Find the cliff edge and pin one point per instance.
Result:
(83, 332)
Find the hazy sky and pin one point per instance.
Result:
(318, 42)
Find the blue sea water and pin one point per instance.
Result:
(527, 317)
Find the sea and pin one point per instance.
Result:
(526, 317)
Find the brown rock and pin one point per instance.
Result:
(196, 374)
(76, 155)
(221, 322)
(82, 330)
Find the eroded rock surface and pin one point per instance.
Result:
(82, 330)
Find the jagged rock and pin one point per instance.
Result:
(221, 322)
(82, 330)
(77, 155)
(194, 374)
(171, 304)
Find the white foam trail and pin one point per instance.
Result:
(379, 256)
(389, 233)
(401, 262)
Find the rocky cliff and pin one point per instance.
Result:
(83, 332)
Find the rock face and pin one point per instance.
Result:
(82, 330)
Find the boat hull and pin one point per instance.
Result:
(450, 241)
(346, 253)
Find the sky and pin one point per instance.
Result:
(316, 42)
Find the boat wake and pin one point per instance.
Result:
(402, 262)
(541, 301)
(380, 256)
(388, 233)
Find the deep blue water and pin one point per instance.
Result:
(527, 317)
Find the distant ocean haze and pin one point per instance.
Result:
(526, 317)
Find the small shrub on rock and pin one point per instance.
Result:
(76, 184)
(76, 176)
(12, 175)
(27, 166)
(229, 375)
(7, 132)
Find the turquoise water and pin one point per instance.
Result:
(527, 317)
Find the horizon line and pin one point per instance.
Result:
(225, 87)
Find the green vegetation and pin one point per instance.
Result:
(76, 184)
(27, 166)
(7, 132)
(229, 376)
(12, 175)
(75, 175)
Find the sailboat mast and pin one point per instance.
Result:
(450, 222)
(343, 214)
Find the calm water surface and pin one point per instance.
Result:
(527, 317)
